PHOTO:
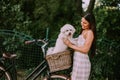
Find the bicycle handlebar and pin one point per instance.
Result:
(39, 40)
(34, 41)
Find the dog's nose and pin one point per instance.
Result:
(69, 34)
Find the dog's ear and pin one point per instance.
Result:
(74, 30)
(62, 30)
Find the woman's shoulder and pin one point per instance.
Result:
(89, 30)
(88, 33)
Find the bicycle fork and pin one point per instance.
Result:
(37, 71)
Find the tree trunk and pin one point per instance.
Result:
(80, 8)
(90, 6)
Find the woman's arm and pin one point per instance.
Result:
(86, 47)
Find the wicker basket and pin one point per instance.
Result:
(59, 61)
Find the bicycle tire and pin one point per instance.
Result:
(4, 75)
(58, 77)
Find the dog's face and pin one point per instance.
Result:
(68, 30)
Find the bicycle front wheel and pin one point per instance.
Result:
(4, 75)
(58, 77)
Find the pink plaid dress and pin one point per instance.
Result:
(81, 63)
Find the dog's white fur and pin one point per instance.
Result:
(67, 31)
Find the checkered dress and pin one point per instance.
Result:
(81, 63)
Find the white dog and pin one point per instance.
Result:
(66, 31)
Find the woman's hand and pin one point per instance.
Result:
(66, 41)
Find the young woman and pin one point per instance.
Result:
(85, 43)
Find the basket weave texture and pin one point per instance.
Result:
(59, 61)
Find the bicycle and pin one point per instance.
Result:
(37, 71)
(7, 63)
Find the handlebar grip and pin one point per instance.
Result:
(28, 42)
(34, 41)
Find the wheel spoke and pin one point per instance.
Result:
(4, 75)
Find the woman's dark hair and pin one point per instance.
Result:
(91, 19)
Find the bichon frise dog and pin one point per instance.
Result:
(66, 31)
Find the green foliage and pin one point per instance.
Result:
(108, 22)
(110, 2)
(11, 16)
(104, 61)
(11, 44)
(53, 14)
(33, 17)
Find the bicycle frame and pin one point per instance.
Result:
(8, 65)
(39, 69)
(35, 73)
